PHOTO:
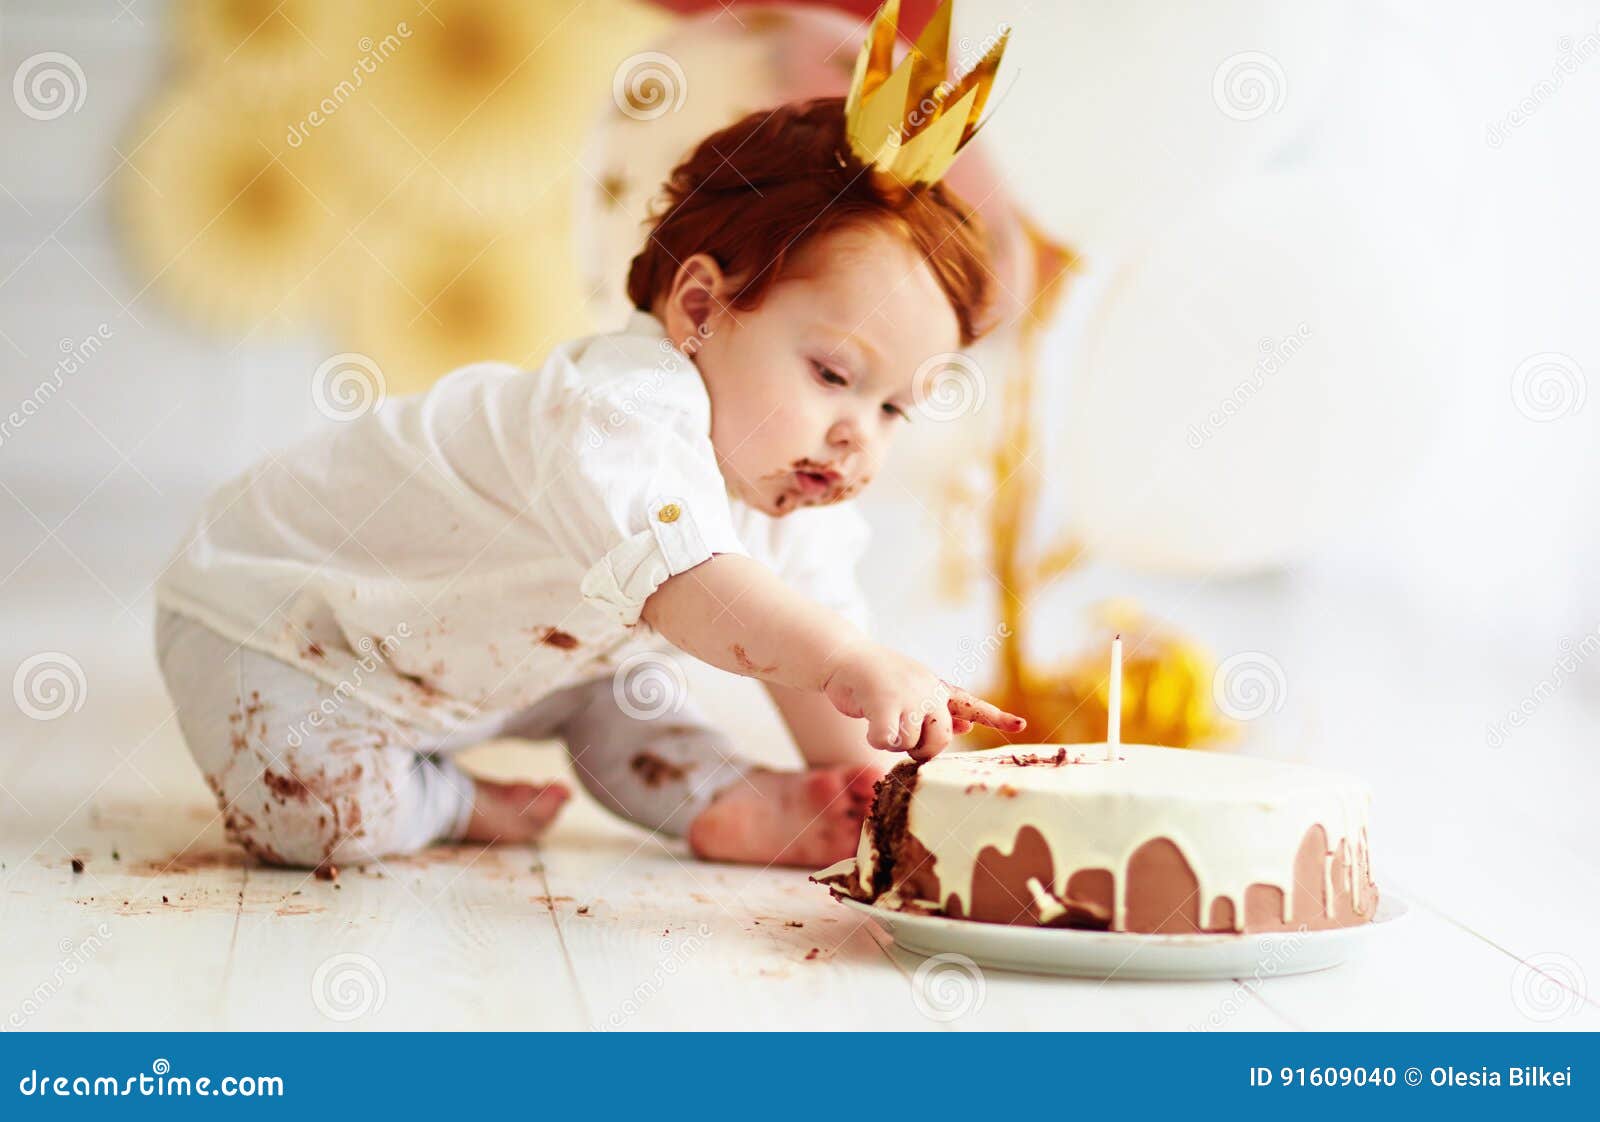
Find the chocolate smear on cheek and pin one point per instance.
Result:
(786, 498)
(845, 491)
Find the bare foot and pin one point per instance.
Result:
(805, 818)
(514, 812)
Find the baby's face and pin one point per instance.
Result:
(808, 388)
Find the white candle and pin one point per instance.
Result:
(1114, 701)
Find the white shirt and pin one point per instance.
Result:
(470, 550)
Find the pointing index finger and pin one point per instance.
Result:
(969, 708)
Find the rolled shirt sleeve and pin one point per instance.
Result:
(675, 541)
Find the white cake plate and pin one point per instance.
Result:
(1106, 954)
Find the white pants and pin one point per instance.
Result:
(356, 784)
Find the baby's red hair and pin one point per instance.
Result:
(756, 192)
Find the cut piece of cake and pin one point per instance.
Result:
(1155, 840)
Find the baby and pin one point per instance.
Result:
(514, 552)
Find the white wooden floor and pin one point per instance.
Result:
(603, 926)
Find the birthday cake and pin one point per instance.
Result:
(1154, 840)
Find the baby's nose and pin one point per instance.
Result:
(844, 434)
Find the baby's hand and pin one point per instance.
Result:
(907, 706)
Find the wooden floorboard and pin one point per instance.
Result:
(604, 926)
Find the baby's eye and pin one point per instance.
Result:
(895, 411)
(829, 375)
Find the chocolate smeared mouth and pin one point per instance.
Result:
(810, 482)
(813, 484)
(816, 481)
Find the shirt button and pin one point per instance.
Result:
(669, 513)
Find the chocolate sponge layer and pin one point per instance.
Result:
(891, 803)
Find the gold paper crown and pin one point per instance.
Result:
(911, 122)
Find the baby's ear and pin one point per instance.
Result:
(699, 290)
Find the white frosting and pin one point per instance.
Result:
(1048, 906)
(1238, 821)
(866, 856)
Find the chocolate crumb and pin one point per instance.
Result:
(115, 856)
(794, 923)
(327, 871)
(164, 900)
(814, 952)
(583, 909)
(77, 864)
(1057, 760)
(555, 637)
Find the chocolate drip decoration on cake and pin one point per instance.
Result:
(1157, 841)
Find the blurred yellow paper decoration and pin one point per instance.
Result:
(270, 41)
(434, 295)
(228, 221)
(1166, 690)
(484, 106)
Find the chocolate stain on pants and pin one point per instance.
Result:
(358, 785)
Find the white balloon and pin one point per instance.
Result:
(1110, 115)
(1252, 378)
